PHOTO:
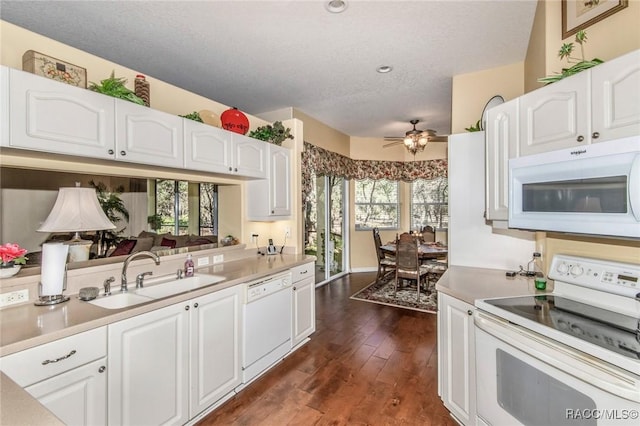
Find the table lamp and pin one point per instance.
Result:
(76, 210)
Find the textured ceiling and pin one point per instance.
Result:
(262, 56)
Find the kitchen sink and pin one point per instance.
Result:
(175, 286)
(121, 300)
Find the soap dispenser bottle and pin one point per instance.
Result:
(188, 267)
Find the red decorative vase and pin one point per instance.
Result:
(234, 120)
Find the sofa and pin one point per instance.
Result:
(152, 241)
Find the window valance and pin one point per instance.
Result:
(320, 162)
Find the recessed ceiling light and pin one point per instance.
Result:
(336, 6)
(384, 69)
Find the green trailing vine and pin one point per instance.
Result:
(474, 128)
(580, 64)
(195, 116)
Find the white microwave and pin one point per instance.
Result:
(594, 189)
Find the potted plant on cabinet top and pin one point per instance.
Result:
(579, 65)
(275, 134)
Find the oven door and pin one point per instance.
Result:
(590, 190)
(524, 378)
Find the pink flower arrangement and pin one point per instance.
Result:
(12, 253)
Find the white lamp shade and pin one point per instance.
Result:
(76, 209)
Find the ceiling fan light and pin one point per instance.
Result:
(423, 141)
(408, 141)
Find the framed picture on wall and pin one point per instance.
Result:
(580, 14)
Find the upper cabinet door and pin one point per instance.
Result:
(208, 148)
(615, 91)
(502, 144)
(280, 180)
(49, 116)
(555, 116)
(148, 136)
(249, 156)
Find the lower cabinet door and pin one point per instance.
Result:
(77, 397)
(304, 310)
(148, 368)
(215, 347)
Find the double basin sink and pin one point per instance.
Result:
(157, 290)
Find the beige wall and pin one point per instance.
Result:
(471, 92)
(535, 61)
(321, 135)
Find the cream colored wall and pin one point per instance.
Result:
(472, 91)
(373, 149)
(321, 135)
(535, 62)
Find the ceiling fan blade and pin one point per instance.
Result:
(392, 144)
(438, 139)
(393, 138)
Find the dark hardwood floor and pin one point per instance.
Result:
(366, 364)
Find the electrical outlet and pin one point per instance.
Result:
(203, 261)
(14, 297)
(219, 258)
(287, 231)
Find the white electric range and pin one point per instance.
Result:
(569, 357)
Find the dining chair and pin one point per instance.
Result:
(428, 234)
(385, 263)
(408, 265)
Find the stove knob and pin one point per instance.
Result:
(576, 270)
(562, 268)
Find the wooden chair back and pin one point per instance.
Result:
(428, 234)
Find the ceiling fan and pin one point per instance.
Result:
(415, 140)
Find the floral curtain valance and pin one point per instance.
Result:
(321, 162)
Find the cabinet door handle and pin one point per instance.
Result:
(101, 369)
(230, 169)
(595, 135)
(110, 152)
(235, 169)
(123, 153)
(186, 308)
(580, 138)
(195, 305)
(469, 312)
(62, 358)
(295, 288)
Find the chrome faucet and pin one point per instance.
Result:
(123, 276)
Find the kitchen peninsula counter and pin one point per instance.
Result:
(26, 326)
(470, 284)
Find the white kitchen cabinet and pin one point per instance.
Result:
(216, 150)
(207, 148)
(4, 106)
(67, 376)
(249, 156)
(501, 145)
(556, 116)
(148, 367)
(596, 105)
(77, 397)
(304, 303)
(270, 199)
(456, 361)
(215, 360)
(615, 88)
(49, 116)
(148, 136)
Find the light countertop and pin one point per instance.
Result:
(26, 326)
(470, 284)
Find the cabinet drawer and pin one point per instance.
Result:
(39, 363)
(301, 272)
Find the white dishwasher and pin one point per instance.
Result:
(267, 324)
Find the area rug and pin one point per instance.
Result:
(381, 292)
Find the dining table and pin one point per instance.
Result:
(426, 251)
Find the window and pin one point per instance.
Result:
(430, 203)
(172, 205)
(376, 204)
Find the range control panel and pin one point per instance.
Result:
(613, 277)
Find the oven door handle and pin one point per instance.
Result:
(570, 361)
